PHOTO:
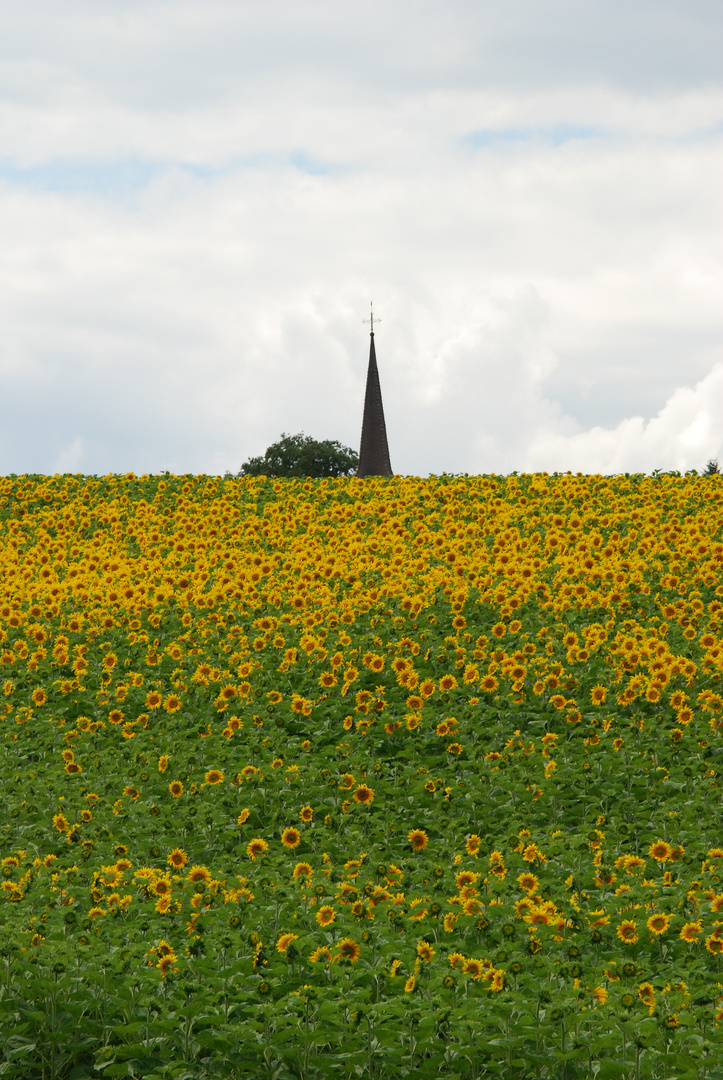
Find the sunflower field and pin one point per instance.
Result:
(361, 778)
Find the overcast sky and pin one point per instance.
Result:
(200, 198)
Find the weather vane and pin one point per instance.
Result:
(370, 320)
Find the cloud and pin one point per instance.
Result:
(685, 434)
(198, 201)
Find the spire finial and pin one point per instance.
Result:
(370, 320)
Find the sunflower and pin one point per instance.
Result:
(290, 837)
(154, 700)
(349, 950)
(658, 924)
(326, 915)
(426, 688)
(660, 851)
(346, 782)
(528, 882)
(473, 844)
(627, 931)
(410, 984)
(284, 941)
(163, 763)
(175, 788)
(425, 951)
(302, 871)
(116, 716)
(198, 873)
(306, 814)
(243, 816)
(172, 703)
(646, 993)
(473, 968)
(177, 858)
(256, 848)
(418, 839)
(163, 905)
(214, 776)
(322, 953)
(166, 963)
(454, 748)
(716, 903)
(466, 878)
(539, 916)
(162, 887)
(597, 694)
(690, 931)
(364, 794)
(714, 945)
(447, 682)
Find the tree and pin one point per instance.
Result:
(712, 468)
(300, 455)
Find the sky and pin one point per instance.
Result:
(200, 199)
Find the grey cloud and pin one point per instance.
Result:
(185, 55)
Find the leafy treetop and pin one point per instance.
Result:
(300, 455)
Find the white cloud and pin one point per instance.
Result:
(198, 200)
(685, 434)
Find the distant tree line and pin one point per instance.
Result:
(300, 455)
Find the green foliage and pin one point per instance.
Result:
(300, 455)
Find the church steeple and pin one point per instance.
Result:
(374, 450)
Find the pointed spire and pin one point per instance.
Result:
(374, 450)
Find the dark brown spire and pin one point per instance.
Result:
(374, 451)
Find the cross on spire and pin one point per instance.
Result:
(374, 450)
(370, 320)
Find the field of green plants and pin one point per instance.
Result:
(340, 778)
